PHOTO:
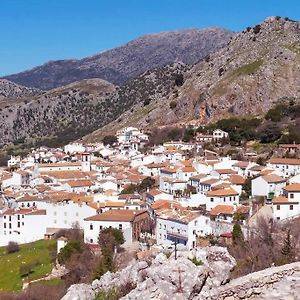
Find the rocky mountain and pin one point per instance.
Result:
(67, 113)
(124, 63)
(258, 68)
(9, 89)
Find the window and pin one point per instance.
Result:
(211, 199)
(91, 227)
(278, 207)
(292, 196)
(19, 224)
(18, 217)
(100, 227)
(91, 240)
(9, 225)
(22, 223)
(278, 218)
(165, 226)
(9, 218)
(4, 225)
(291, 207)
(120, 226)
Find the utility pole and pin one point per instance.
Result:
(175, 249)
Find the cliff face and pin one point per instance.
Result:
(259, 67)
(124, 63)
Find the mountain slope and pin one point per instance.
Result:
(121, 64)
(9, 89)
(70, 112)
(259, 67)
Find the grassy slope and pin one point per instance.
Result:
(10, 279)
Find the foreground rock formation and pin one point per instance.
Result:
(165, 278)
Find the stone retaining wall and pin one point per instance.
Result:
(253, 285)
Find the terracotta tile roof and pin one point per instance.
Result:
(79, 183)
(280, 199)
(222, 209)
(115, 203)
(285, 161)
(165, 204)
(183, 216)
(155, 165)
(60, 164)
(75, 174)
(114, 215)
(243, 209)
(295, 187)
(210, 181)
(198, 177)
(241, 164)
(168, 170)
(266, 172)
(223, 192)
(257, 168)
(225, 171)
(188, 169)
(273, 178)
(236, 179)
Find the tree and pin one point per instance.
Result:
(179, 79)
(237, 234)
(65, 253)
(146, 183)
(109, 239)
(287, 249)
(129, 189)
(110, 140)
(12, 247)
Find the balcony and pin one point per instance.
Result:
(174, 235)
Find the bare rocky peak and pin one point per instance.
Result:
(119, 65)
(10, 89)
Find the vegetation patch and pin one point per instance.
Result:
(10, 264)
(248, 69)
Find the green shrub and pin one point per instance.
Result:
(196, 262)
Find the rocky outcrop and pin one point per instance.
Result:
(165, 278)
(124, 63)
(273, 283)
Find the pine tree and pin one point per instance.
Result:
(237, 234)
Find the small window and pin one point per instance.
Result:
(278, 207)
(120, 226)
(91, 227)
(291, 207)
(91, 241)
(4, 225)
(211, 199)
(100, 227)
(292, 196)
(19, 224)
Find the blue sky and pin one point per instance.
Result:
(33, 32)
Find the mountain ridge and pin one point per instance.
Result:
(121, 64)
